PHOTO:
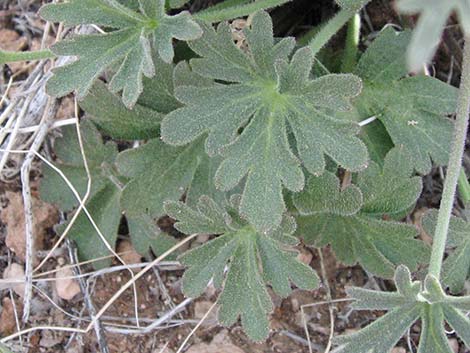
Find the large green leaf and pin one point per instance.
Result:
(254, 260)
(160, 172)
(412, 109)
(129, 44)
(432, 19)
(351, 220)
(456, 268)
(264, 93)
(412, 301)
(105, 200)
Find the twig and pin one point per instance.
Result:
(91, 308)
(155, 324)
(50, 112)
(330, 307)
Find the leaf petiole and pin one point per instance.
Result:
(454, 167)
(13, 56)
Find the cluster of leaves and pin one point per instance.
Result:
(411, 302)
(247, 136)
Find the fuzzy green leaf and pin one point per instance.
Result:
(432, 19)
(254, 260)
(426, 302)
(105, 210)
(456, 268)
(160, 172)
(145, 235)
(412, 109)
(108, 112)
(99, 158)
(350, 220)
(267, 93)
(103, 202)
(129, 44)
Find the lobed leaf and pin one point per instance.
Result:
(412, 109)
(254, 260)
(267, 92)
(350, 220)
(128, 44)
(411, 302)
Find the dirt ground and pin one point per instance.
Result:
(68, 296)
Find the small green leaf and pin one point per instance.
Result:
(350, 220)
(267, 92)
(411, 302)
(456, 268)
(254, 260)
(432, 19)
(129, 44)
(146, 235)
(412, 109)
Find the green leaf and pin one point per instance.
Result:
(105, 210)
(351, 220)
(160, 172)
(352, 5)
(411, 302)
(99, 157)
(456, 268)
(254, 261)
(412, 109)
(428, 31)
(266, 93)
(108, 112)
(129, 44)
(146, 235)
(103, 201)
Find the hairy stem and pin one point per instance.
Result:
(352, 42)
(13, 56)
(239, 9)
(453, 170)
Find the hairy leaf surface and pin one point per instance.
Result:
(254, 261)
(412, 109)
(412, 301)
(128, 44)
(267, 92)
(351, 219)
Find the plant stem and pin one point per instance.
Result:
(330, 29)
(13, 56)
(222, 13)
(455, 164)
(352, 42)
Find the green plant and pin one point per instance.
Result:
(249, 142)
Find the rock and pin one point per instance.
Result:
(201, 308)
(44, 217)
(128, 254)
(398, 350)
(220, 344)
(66, 287)
(15, 273)
(7, 318)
